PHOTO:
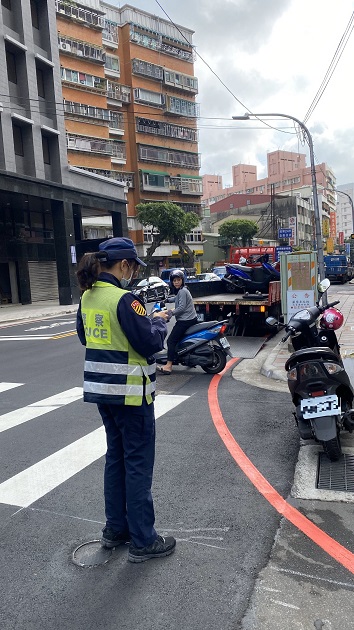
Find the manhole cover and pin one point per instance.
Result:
(91, 554)
(335, 475)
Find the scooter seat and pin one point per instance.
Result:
(201, 326)
(311, 354)
(241, 267)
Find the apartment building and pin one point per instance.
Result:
(129, 103)
(43, 197)
(345, 210)
(287, 173)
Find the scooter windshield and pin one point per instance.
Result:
(304, 315)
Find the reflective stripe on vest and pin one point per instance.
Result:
(114, 372)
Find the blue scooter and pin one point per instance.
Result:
(203, 344)
(250, 279)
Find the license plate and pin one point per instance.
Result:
(320, 406)
(200, 317)
(224, 342)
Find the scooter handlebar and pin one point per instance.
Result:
(288, 334)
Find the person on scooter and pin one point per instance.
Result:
(184, 313)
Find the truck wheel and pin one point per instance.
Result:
(333, 449)
(218, 363)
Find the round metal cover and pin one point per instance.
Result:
(91, 554)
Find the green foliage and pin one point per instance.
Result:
(171, 224)
(238, 230)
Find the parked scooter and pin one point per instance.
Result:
(319, 385)
(203, 344)
(250, 279)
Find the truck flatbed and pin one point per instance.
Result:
(231, 298)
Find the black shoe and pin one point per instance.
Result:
(110, 538)
(160, 547)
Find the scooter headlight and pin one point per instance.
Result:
(292, 374)
(333, 368)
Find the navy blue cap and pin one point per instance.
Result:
(119, 248)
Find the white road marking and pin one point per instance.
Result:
(5, 386)
(19, 416)
(27, 338)
(33, 483)
(275, 601)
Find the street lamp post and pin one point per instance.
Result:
(351, 202)
(319, 244)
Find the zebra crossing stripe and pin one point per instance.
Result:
(33, 483)
(19, 416)
(4, 387)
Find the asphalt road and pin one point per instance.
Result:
(238, 563)
(225, 529)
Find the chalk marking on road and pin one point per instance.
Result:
(34, 482)
(195, 542)
(198, 529)
(36, 409)
(312, 577)
(329, 545)
(4, 387)
(268, 589)
(276, 601)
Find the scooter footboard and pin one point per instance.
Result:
(324, 428)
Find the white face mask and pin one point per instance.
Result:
(124, 283)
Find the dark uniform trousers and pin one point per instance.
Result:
(128, 471)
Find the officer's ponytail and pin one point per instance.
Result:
(90, 266)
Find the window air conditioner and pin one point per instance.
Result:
(65, 46)
(79, 53)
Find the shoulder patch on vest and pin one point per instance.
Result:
(138, 308)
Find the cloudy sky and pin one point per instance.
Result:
(273, 56)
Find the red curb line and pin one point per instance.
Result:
(334, 549)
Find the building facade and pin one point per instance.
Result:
(345, 212)
(43, 197)
(129, 105)
(287, 173)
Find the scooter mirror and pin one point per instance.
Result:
(323, 285)
(271, 321)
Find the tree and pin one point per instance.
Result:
(239, 230)
(171, 223)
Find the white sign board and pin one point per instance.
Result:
(298, 300)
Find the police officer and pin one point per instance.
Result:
(119, 376)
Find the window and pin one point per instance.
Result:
(18, 140)
(46, 150)
(11, 67)
(34, 14)
(40, 83)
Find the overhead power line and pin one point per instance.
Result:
(335, 59)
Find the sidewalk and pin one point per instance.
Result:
(273, 366)
(12, 313)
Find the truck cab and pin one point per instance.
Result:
(336, 267)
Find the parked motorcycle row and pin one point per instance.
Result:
(250, 278)
(319, 385)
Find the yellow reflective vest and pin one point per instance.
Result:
(114, 372)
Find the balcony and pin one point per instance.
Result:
(119, 176)
(117, 92)
(154, 99)
(79, 14)
(79, 48)
(187, 184)
(148, 153)
(156, 41)
(155, 181)
(146, 69)
(110, 33)
(82, 79)
(181, 81)
(113, 120)
(181, 107)
(168, 130)
(115, 149)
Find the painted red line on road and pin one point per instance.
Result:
(320, 538)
